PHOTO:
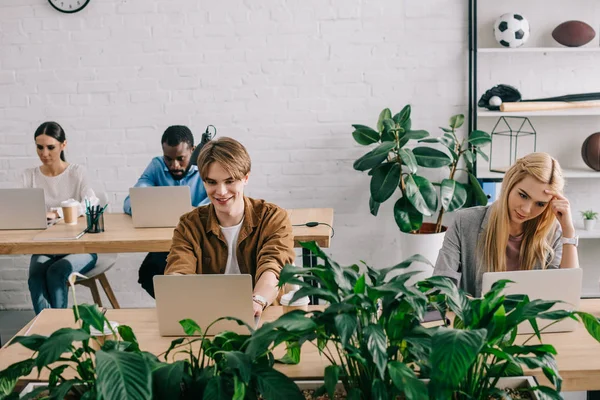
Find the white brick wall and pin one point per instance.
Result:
(286, 78)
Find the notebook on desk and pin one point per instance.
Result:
(22, 209)
(548, 284)
(159, 206)
(204, 299)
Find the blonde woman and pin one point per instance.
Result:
(528, 227)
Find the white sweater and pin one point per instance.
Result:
(72, 183)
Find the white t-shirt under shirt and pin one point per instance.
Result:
(72, 183)
(231, 234)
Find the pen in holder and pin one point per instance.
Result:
(95, 219)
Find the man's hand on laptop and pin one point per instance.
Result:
(257, 309)
(52, 215)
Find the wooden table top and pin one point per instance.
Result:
(578, 356)
(121, 237)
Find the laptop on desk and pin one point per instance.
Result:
(549, 284)
(203, 298)
(22, 209)
(159, 206)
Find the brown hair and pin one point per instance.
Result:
(228, 152)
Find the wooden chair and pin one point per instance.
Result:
(103, 264)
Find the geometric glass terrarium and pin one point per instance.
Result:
(512, 136)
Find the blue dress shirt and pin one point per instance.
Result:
(157, 174)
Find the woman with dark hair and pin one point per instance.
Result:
(61, 181)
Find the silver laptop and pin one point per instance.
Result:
(22, 209)
(159, 206)
(203, 298)
(550, 284)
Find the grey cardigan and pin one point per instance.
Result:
(458, 257)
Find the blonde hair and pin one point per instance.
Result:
(535, 246)
(228, 152)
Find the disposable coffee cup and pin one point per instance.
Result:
(298, 304)
(98, 338)
(70, 209)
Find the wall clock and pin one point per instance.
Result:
(68, 6)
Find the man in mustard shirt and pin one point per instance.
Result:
(234, 234)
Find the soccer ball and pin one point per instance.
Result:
(511, 30)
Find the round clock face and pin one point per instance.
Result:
(68, 6)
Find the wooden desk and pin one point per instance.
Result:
(578, 356)
(145, 326)
(121, 237)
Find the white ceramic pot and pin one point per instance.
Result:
(426, 244)
(589, 224)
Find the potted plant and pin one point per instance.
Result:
(373, 336)
(222, 367)
(370, 332)
(468, 358)
(589, 219)
(108, 369)
(393, 166)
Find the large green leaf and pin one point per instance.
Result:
(373, 206)
(241, 362)
(239, 389)
(378, 390)
(376, 341)
(416, 135)
(295, 321)
(332, 374)
(431, 158)
(58, 343)
(408, 159)
(346, 325)
(91, 315)
(166, 380)
(216, 389)
(403, 116)
(292, 354)
(390, 131)
(406, 381)
(10, 376)
(123, 375)
(453, 351)
(407, 217)
(384, 181)
(273, 385)
(479, 138)
(480, 195)
(190, 327)
(456, 121)
(365, 135)
(383, 115)
(421, 194)
(591, 324)
(374, 157)
(32, 342)
(127, 335)
(452, 194)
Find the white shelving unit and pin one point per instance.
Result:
(569, 173)
(583, 234)
(581, 112)
(505, 50)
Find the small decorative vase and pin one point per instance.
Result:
(589, 224)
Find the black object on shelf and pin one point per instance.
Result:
(206, 137)
(513, 128)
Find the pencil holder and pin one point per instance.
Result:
(95, 223)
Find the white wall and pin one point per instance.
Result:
(286, 78)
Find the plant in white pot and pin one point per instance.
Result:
(589, 219)
(392, 165)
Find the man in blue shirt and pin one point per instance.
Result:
(174, 168)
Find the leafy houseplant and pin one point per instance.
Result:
(467, 360)
(371, 333)
(118, 370)
(223, 368)
(393, 165)
(589, 219)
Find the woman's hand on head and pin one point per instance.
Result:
(561, 208)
